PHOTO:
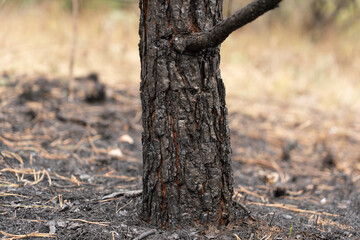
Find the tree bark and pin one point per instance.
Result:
(187, 176)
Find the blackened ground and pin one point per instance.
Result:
(72, 170)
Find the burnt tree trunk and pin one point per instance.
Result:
(187, 176)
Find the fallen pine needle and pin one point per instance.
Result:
(38, 175)
(292, 208)
(111, 174)
(73, 179)
(21, 171)
(237, 237)
(105, 224)
(51, 199)
(54, 156)
(26, 206)
(2, 194)
(244, 190)
(7, 142)
(33, 234)
(8, 184)
(9, 154)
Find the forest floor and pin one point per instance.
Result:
(72, 169)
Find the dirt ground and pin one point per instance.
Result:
(72, 169)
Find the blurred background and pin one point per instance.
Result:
(305, 53)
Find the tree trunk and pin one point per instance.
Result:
(186, 148)
(187, 176)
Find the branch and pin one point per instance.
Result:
(221, 31)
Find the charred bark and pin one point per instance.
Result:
(187, 176)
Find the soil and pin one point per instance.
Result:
(72, 169)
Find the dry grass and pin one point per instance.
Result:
(259, 63)
(38, 41)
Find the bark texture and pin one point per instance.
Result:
(187, 176)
